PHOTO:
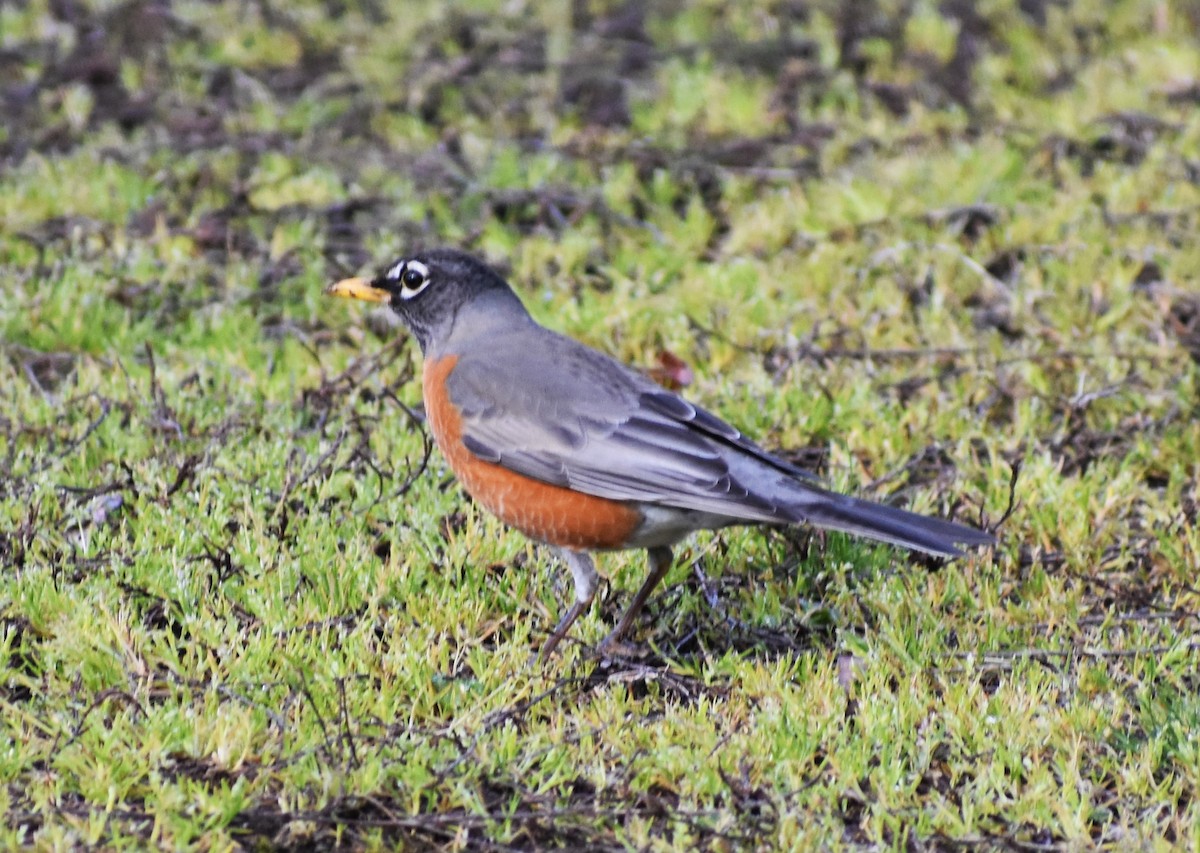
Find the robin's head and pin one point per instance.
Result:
(429, 290)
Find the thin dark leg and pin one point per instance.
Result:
(586, 581)
(560, 630)
(660, 560)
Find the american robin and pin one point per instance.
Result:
(577, 450)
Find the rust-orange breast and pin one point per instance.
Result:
(543, 511)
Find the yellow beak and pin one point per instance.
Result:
(358, 288)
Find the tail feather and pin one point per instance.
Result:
(888, 524)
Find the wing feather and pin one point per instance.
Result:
(581, 419)
(599, 427)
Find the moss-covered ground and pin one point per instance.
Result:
(944, 254)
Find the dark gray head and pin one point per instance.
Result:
(429, 290)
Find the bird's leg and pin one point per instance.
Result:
(586, 580)
(660, 560)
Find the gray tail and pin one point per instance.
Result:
(887, 524)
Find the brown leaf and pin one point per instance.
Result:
(672, 371)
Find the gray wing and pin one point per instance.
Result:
(580, 419)
(583, 420)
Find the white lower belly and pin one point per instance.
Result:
(666, 525)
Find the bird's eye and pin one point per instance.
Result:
(413, 279)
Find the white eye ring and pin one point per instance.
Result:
(413, 279)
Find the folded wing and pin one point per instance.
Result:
(585, 421)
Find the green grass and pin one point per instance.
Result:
(243, 602)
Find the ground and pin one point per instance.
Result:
(944, 254)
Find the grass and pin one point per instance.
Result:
(944, 256)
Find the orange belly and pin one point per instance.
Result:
(543, 511)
